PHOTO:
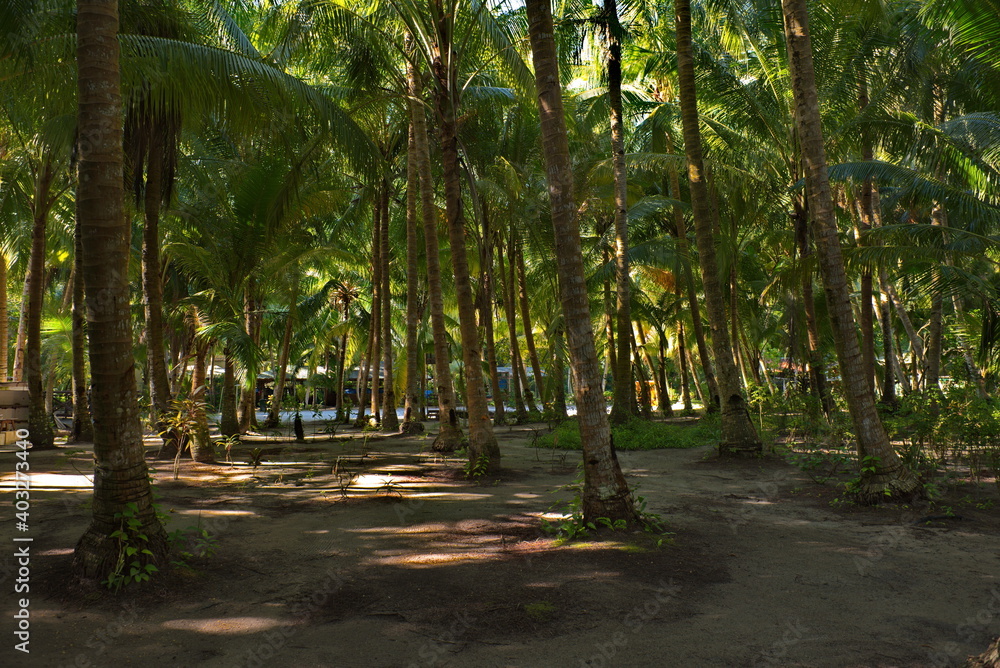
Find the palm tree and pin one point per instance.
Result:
(739, 437)
(883, 476)
(121, 484)
(605, 492)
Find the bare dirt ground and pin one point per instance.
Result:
(414, 566)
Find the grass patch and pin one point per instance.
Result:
(639, 434)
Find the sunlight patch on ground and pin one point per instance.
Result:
(202, 511)
(51, 481)
(431, 559)
(412, 529)
(225, 625)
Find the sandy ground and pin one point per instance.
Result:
(418, 567)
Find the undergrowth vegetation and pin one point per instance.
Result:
(954, 433)
(639, 434)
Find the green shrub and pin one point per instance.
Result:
(638, 434)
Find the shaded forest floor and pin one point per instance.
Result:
(389, 557)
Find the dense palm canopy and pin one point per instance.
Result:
(264, 141)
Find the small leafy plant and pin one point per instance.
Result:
(133, 564)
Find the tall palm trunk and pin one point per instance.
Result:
(624, 391)
(201, 443)
(83, 424)
(817, 370)
(343, 412)
(975, 373)
(486, 315)
(529, 335)
(889, 398)
(868, 209)
(605, 492)
(666, 403)
(17, 373)
(739, 437)
(252, 319)
(376, 354)
(609, 326)
(273, 414)
(229, 423)
(935, 325)
(558, 350)
(883, 475)
(484, 453)
(120, 474)
(680, 228)
(685, 375)
(39, 420)
(520, 412)
(411, 424)
(4, 342)
(390, 421)
(364, 371)
(152, 286)
(449, 434)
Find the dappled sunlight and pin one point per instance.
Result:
(50, 481)
(57, 552)
(225, 625)
(215, 513)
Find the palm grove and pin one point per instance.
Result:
(633, 203)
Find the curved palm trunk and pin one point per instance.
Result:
(605, 492)
(484, 453)
(883, 475)
(390, 421)
(739, 437)
(120, 474)
(39, 420)
(152, 287)
(411, 425)
(83, 424)
(449, 434)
